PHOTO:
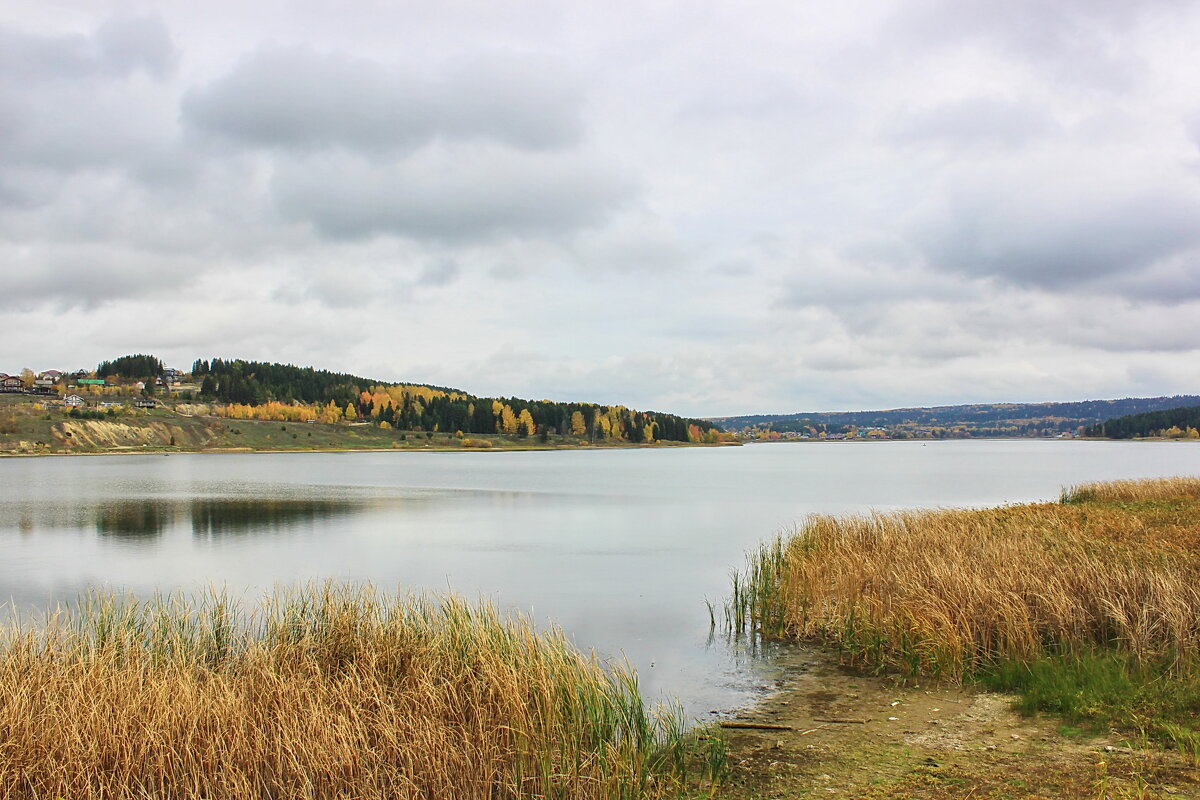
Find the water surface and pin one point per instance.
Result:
(619, 547)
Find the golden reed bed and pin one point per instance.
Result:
(944, 591)
(321, 693)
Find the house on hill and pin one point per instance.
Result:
(12, 384)
(47, 379)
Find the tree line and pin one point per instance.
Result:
(983, 419)
(1174, 422)
(252, 389)
(258, 382)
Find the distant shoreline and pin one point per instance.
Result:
(148, 451)
(167, 451)
(38, 432)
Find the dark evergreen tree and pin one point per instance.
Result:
(138, 367)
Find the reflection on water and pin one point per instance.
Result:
(134, 521)
(143, 520)
(215, 518)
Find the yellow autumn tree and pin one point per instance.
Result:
(615, 427)
(508, 420)
(525, 424)
(578, 426)
(331, 413)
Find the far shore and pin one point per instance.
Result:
(530, 448)
(167, 451)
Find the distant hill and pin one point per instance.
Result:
(962, 421)
(1175, 423)
(261, 390)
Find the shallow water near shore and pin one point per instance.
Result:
(621, 548)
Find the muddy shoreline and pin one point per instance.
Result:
(854, 735)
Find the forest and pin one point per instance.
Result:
(1173, 423)
(135, 367)
(259, 390)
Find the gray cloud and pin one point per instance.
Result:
(448, 196)
(827, 279)
(1169, 282)
(77, 129)
(119, 46)
(1081, 42)
(441, 273)
(637, 244)
(993, 121)
(87, 276)
(300, 98)
(1059, 226)
(78, 102)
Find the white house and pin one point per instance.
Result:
(74, 400)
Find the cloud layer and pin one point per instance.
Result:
(693, 209)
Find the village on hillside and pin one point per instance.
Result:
(83, 388)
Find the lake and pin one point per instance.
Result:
(619, 547)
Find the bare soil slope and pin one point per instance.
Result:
(120, 434)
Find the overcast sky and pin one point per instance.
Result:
(701, 207)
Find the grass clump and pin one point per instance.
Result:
(1089, 607)
(332, 692)
(1105, 688)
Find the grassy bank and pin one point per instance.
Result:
(321, 693)
(1088, 608)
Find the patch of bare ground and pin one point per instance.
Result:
(855, 736)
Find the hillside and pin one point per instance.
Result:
(960, 421)
(136, 401)
(1174, 423)
(29, 426)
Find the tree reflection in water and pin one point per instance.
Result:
(235, 517)
(141, 521)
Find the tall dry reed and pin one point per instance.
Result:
(948, 592)
(1145, 490)
(329, 692)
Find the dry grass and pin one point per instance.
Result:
(1089, 608)
(321, 693)
(945, 591)
(1152, 489)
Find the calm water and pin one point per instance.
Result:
(619, 547)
